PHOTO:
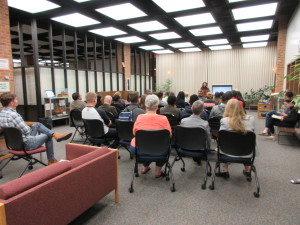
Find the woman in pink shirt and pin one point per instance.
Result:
(150, 121)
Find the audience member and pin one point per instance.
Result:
(150, 121)
(122, 101)
(107, 106)
(238, 96)
(133, 106)
(200, 96)
(77, 103)
(142, 102)
(10, 118)
(188, 109)
(117, 103)
(218, 110)
(162, 101)
(218, 97)
(90, 112)
(171, 108)
(235, 119)
(187, 97)
(209, 98)
(99, 103)
(180, 102)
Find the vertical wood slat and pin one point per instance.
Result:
(51, 57)
(103, 63)
(95, 64)
(86, 63)
(76, 61)
(64, 57)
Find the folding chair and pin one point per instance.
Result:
(77, 122)
(214, 124)
(94, 131)
(124, 130)
(15, 145)
(236, 147)
(152, 146)
(192, 142)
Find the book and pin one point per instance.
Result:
(276, 117)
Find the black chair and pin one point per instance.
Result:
(124, 130)
(15, 145)
(94, 131)
(172, 119)
(112, 118)
(240, 146)
(152, 146)
(192, 142)
(214, 124)
(77, 122)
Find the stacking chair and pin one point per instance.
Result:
(15, 145)
(77, 122)
(214, 124)
(112, 118)
(238, 146)
(124, 130)
(191, 142)
(152, 146)
(94, 131)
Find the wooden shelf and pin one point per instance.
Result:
(262, 107)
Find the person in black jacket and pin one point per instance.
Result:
(289, 120)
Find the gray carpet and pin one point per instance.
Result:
(232, 201)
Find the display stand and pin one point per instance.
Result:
(263, 107)
(56, 108)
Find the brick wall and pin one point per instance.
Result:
(127, 58)
(281, 44)
(5, 45)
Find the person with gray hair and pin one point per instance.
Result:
(195, 120)
(150, 121)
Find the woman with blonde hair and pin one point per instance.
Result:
(235, 119)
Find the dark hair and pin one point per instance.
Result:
(6, 98)
(99, 98)
(217, 95)
(193, 98)
(180, 95)
(134, 96)
(116, 98)
(221, 93)
(204, 83)
(75, 95)
(159, 94)
(227, 96)
(288, 101)
(171, 100)
(289, 94)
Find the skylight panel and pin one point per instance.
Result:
(32, 6)
(75, 20)
(206, 31)
(163, 51)
(220, 47)
(148, 26)
(255, 38)
(130, 39)
(151, 47)
(181, 45)
(216, 42)
(122, 11)
(255, 11)
(231, 1)
(267, 24)
(255, 45)
(108, 31)
(197, 19)
(81, 1)
(190, 49)
(164, 36)
(179, 5)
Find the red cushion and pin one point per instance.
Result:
(30, 180)
(34, 151)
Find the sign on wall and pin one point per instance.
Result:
(4, 64)
(4, 87)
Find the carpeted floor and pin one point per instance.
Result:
(232, 201)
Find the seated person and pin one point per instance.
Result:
(77, 103)
(218, 97)
(218, 110)
(171, 108)
(142, 102)
(201, 95)
(162, 101)
(180, 102)
(134, 106)
(107, 106)
(90, 112)
(235, 119)
(117, 103)
(99, 96)
(187, 97)
(10, 118)
(150, 121)
(238, 96)
(122, 101)
(209, 102)
(196, 121)
(188, 109)
(288, 120)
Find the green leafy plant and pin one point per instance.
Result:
(259, 95)
(164, 87)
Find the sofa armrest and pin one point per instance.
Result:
(74, 151)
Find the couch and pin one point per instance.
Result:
(59, 193)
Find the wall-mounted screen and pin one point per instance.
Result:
(219, 88)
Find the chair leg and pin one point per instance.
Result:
(134, 174)
(74, 134)
(170, 173)
(177, 158)
(212, 186)
(203, 186)
(256, 194)
(5, 164)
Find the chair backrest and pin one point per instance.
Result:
(75, 116)
(190, 138)
(93, 128)
(110, 116)
(237, 144)
(152, 141)
(214, 123)
(172, 119)
(125, 129)
(13, 138)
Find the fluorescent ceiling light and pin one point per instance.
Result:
(108, 31)
(197, 19)
(190, 49)
(206, 31)
(163, 51)
(148, 26)
(81, 0)
(231, 1)
(254, 11)
(75, 20)
(164, 36)
(122, 11)
(179, 5)
(131, 39)
(32, 6)
(181, 45)
(255, 38)
(151, 47)
(267, 24)
(215, 42)
(220, 47)
(254, 45)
